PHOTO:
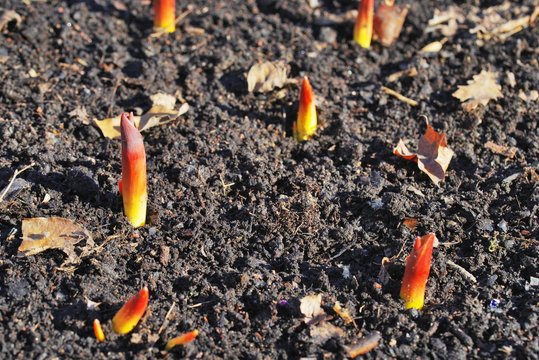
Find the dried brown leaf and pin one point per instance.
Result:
(479, 91)
(365, 344)
(432, 157)
(410, 223)
(81, 114)
(310, 306)
(507, 151)
(388, 22)
(266, 76)
(343, 313)
(40, 234)
(162, 112)
(323, 331)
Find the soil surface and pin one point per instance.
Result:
(243, 221)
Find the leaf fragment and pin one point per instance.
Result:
(162, 112)
(432, 47)
(479, 91)
(388, 22)
(324, 331)
(343, 313)
(447, 21)
(40, 234)
(315, 317)
(507, 151)
(366, 344)
(310, 306)
(266, 76)
(433, 155)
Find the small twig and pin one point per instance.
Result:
(165, 322)
(199, 304)
(113, 96)
(465, 273)
(17, 173)
(399, 96)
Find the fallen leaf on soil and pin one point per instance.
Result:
(507, 151)
(383, 275)
(433, 47)
(324, 330)
(316, 319)
(12, 190)
(162, 112)
(388, 22)
(495, 23)
(532, 96)
(432, 157)
(81, 114)
(410, 223)
(479, 91)
(7, 16)
(266, 76)
(40, 234)
(310, 306)
(446, 21)
(366, 344)
(343, 313)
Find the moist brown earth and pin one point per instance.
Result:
(241, 216)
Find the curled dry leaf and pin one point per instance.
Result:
(433, 47)
(432, 157)
(162, 112)
(7, 16)
(40, 234)
(479, 91)
(366, 344)
(266, 76)
(388, 22)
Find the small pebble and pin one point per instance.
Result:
(502, 225)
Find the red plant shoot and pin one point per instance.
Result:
(164, 15)
(417, 271)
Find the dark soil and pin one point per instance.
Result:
(241, 216)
